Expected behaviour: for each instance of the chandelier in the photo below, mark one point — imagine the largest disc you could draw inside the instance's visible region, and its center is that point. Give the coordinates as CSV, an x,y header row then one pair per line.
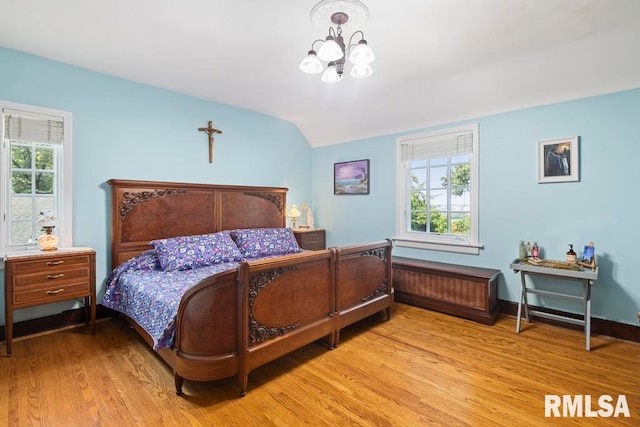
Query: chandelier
x,y
333,50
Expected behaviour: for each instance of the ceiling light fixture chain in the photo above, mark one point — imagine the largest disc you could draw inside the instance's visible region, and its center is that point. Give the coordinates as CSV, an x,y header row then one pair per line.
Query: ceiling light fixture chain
x,y
333,49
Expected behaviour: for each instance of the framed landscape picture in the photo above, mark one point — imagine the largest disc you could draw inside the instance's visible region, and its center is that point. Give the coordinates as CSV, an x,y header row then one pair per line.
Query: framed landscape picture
x,y
588,253
351,177
558,160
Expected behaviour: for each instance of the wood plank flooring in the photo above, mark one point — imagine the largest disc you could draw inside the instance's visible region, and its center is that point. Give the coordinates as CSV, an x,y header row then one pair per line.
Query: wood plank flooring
x,y
419,368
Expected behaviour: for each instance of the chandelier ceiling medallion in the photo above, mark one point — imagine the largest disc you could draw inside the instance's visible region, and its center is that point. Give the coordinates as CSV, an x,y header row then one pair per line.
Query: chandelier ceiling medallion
x,y
333,50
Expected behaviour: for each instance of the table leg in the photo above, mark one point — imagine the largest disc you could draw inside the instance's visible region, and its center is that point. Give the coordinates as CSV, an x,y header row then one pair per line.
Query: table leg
x,y
587,313
526,300
93,313
523,296
8,329
87,310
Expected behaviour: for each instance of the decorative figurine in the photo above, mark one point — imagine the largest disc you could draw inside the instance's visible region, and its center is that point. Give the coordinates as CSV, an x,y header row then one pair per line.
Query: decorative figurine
x,y
310,218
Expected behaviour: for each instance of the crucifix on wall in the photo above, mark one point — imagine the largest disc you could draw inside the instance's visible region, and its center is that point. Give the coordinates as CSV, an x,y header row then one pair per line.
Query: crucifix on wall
x,y
210,131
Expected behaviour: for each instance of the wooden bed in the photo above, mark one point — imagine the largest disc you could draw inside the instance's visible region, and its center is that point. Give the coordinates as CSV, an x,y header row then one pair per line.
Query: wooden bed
x,y
232,322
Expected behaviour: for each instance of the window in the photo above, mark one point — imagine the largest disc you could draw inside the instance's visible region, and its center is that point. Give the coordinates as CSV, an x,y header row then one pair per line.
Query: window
x,y
437,202
35,174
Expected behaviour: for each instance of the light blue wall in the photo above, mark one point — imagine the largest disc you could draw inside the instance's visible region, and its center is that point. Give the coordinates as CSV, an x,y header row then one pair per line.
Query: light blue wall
x,y
601,207
127,130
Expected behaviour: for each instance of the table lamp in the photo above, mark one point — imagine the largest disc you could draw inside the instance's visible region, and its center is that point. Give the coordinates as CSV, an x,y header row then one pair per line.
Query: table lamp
x,y
294,214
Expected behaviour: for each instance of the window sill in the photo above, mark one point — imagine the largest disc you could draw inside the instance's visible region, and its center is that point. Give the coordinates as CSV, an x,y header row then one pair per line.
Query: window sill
x,y
468,249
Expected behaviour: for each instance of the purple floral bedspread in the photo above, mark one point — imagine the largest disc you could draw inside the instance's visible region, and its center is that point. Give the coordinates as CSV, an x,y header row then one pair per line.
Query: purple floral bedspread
x,y
150,296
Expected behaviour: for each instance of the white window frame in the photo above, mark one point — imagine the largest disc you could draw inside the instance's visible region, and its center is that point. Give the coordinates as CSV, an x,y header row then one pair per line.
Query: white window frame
x,y
439,242
64,184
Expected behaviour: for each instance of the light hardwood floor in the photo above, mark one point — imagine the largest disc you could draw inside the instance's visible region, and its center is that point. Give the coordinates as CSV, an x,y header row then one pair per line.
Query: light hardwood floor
x,y
419,368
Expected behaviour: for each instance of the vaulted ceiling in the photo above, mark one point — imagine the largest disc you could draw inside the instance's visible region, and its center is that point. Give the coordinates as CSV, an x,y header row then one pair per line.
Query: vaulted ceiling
x,y
437,61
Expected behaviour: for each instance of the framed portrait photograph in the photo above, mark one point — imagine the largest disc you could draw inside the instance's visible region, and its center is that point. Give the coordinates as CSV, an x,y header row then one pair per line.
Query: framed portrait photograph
x,y
558,160
351,177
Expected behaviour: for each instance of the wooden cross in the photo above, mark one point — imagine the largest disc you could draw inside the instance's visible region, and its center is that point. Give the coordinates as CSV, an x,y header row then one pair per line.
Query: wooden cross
x,y
211,131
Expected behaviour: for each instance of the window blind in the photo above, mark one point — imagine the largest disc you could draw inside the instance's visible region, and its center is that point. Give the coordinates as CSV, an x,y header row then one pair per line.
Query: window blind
x,y
32,128
438,146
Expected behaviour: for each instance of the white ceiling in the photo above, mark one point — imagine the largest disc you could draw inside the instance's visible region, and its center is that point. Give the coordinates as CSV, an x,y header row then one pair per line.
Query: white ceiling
x,y
437,61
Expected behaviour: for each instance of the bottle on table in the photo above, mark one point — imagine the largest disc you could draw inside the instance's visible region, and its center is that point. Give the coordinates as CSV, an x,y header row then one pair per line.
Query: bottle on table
x,y
522,252
572,257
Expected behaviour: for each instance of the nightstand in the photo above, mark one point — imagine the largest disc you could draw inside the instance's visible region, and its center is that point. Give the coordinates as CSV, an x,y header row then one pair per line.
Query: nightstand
x,y
310,238
41,277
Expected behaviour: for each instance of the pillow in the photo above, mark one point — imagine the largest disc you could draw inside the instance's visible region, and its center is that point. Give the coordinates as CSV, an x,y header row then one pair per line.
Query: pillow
x,y
260,242
187,252
147,260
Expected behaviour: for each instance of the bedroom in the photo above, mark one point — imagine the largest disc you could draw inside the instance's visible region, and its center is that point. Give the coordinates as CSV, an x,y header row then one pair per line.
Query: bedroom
x,y
127,130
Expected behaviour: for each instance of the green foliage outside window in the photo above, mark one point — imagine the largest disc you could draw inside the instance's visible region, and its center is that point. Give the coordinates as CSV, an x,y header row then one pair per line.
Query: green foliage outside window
x,y
461,226
23,168
460,180
460,183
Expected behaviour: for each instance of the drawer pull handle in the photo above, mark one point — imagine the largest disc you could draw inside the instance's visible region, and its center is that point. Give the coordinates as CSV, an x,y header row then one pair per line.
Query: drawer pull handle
x,y
55,276
55,262
55,292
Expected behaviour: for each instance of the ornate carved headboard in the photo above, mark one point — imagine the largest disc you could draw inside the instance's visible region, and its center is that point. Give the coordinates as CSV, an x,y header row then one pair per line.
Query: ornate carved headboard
x,y
142,211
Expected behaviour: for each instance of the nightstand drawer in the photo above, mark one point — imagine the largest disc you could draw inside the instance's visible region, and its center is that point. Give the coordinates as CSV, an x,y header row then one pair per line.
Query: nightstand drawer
x,y
53,292
315,239
50,264
311,239
46,279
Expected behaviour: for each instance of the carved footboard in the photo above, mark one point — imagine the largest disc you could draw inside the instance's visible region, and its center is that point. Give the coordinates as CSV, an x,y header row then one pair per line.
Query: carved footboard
x,y
286,304
363,284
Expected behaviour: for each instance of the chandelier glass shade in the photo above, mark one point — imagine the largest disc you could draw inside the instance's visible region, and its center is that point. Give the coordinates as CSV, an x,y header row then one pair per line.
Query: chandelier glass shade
x,y
333,50
361,71
330,50
311,64
361,54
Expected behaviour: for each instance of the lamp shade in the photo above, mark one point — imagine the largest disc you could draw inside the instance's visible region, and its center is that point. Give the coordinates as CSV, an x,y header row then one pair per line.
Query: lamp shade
x,y
294,212
361,71
46,219
310,64
330,50
331,75
361,53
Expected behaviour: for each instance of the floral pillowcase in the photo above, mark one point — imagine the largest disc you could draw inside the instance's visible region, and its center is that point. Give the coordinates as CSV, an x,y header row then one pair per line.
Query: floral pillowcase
x,y
260,242
188,252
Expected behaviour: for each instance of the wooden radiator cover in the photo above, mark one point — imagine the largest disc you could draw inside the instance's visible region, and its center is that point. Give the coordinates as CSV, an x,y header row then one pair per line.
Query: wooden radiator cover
x,y
469,292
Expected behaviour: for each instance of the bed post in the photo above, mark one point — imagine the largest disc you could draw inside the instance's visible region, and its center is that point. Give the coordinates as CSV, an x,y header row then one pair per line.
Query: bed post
x,y
389,267
335,254
178,380
243,326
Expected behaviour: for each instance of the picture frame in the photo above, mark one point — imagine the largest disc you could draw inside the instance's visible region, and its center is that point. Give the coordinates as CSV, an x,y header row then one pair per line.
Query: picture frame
x,y
558,160
588,253
589,257
352,177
